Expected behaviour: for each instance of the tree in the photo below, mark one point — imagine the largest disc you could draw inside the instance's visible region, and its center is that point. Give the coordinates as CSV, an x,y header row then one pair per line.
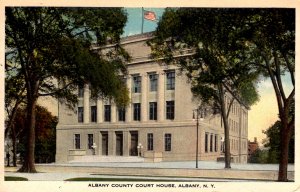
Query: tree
x,y
45,134
51,50
271,38
263,39
14,98
273,140
202,43
259,156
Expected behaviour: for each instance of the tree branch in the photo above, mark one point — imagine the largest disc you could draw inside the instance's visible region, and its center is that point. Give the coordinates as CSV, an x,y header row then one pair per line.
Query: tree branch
x,y
272,76
56,91
278,75
290,68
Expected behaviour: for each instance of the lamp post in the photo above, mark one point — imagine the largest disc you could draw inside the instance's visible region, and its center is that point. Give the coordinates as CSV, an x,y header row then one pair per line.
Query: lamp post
x,y
199,111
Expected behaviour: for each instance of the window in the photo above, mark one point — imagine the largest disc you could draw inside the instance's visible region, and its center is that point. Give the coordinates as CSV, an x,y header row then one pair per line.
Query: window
x,y
170,109
136,84
77,141
216,143
80,90
170,80
136,111
107,113
206,142
150,141
121,114
153,82
168,142
153,111
80,114
93,113
90,141
211,142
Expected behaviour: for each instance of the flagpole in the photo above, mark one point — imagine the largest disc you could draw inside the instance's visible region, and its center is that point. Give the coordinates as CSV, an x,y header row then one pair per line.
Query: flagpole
x,y
142,20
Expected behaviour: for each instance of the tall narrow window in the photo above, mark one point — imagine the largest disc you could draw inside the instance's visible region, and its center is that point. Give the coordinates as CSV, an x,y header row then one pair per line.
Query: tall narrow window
x,y
206,142
168,142
211,142
107,113
93,113
136,84
90,140
77,141
150,141
216,143
80,114
152,111
80,90
170,80
153,82
170,113
136,111
121,114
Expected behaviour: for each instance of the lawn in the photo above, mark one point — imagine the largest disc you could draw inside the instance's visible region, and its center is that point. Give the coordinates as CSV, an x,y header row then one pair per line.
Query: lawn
x,y
9,178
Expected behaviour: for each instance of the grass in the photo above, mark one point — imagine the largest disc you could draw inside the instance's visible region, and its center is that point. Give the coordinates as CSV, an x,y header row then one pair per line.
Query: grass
x,y
9,178
114,179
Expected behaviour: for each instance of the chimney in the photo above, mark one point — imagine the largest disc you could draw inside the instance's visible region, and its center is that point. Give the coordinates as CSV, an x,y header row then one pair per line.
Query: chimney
x,y
255,139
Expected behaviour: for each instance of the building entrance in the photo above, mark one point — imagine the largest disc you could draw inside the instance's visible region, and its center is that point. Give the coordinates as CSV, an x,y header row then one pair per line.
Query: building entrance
x,y
104,143
119,143
134,143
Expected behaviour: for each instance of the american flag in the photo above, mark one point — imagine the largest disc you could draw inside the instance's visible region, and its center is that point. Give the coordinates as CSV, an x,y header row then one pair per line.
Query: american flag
x,y
150,15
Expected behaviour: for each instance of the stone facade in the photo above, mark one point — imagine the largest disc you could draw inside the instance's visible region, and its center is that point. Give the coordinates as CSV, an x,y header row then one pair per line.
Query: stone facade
x,y
156,125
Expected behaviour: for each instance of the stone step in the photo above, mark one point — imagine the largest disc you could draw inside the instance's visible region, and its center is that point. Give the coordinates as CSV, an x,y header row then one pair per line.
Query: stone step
x,y
96,158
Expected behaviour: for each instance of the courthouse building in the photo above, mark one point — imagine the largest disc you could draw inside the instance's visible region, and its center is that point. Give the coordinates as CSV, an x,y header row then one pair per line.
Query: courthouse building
x,y
158,123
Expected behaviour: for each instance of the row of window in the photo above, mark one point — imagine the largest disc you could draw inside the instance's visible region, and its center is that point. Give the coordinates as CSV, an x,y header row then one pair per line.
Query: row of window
x,y
170,112
233,125
168,141
212,144
77,141
153,82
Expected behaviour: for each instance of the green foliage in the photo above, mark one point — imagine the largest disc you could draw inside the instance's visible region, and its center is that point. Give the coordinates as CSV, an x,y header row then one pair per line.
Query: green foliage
x,y
45,134
50,49
273,143
213,54
259,156
9,178
54,44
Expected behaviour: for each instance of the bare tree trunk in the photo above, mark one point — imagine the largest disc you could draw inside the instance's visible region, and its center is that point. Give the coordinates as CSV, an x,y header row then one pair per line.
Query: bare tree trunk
x,y
226,128
285,136
28,165
14,145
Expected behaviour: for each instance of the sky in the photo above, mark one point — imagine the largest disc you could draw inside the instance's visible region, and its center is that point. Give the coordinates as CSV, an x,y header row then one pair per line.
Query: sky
x,y
261,115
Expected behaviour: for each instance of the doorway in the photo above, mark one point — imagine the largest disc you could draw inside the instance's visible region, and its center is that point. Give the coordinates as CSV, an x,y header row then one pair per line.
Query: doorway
x,y
119,144
134,143
104,135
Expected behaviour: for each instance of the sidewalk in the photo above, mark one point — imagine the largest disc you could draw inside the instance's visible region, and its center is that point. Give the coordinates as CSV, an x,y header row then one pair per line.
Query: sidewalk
x,y
183,165
207,171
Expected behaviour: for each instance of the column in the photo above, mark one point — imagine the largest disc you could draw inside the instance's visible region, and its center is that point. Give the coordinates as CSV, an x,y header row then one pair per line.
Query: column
x,y
129,106
161,97
126,143
99,110
144,91
86,104
113,112
111,143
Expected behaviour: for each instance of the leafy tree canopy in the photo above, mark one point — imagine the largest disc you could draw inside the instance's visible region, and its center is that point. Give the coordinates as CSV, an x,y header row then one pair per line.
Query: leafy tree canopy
x,y
52,51
47,45
212,51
